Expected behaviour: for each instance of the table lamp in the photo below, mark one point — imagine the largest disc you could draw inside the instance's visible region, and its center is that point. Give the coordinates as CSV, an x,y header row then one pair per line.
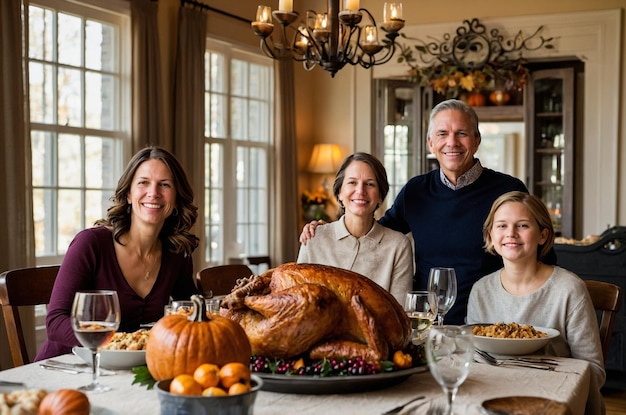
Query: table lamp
x,y
325,159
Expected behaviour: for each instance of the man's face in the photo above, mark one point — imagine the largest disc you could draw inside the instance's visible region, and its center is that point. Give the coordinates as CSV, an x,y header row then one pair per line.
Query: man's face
x,y
453,143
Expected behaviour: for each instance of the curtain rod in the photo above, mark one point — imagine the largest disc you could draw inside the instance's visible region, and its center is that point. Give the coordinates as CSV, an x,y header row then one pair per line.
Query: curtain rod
x,y
212,9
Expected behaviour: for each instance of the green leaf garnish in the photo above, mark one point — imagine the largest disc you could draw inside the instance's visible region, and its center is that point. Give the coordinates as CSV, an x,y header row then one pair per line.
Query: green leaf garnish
x,y
143,377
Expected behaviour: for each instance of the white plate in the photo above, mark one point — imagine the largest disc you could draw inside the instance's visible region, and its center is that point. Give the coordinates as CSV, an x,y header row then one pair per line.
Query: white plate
x,y
114,359
514,346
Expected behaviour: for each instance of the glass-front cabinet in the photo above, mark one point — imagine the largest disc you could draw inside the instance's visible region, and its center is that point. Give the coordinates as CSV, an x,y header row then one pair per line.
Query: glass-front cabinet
x,y
550,126
540,125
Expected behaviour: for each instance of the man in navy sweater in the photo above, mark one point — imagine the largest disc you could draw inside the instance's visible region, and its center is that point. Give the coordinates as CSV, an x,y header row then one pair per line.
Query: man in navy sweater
x,y
444,209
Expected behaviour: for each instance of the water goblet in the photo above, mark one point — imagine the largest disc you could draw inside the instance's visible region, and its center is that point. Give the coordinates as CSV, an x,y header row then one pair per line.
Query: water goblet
x,y
95,318
449,353
421,308
442,283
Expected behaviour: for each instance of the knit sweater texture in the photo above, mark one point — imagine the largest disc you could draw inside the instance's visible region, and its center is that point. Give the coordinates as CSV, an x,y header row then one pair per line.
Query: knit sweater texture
x,y
446,226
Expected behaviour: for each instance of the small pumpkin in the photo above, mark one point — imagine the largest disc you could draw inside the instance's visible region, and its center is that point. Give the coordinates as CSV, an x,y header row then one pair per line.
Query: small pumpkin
x,y
476,99
65,402
179,344
499,97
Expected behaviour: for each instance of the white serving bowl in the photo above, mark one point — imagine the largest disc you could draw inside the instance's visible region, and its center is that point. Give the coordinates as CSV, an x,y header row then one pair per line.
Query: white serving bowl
x,y
513,346
114,359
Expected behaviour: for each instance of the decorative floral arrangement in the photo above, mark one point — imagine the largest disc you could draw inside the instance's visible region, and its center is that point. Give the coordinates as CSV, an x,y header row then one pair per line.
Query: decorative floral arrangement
x,y
314,198
314,205
474,59
451,80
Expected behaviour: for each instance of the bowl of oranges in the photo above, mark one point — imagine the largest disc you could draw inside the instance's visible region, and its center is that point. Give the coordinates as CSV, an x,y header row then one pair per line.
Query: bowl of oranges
x,y
210,390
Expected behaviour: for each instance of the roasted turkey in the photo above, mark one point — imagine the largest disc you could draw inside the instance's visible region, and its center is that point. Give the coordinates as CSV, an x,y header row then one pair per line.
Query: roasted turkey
x,y
324,311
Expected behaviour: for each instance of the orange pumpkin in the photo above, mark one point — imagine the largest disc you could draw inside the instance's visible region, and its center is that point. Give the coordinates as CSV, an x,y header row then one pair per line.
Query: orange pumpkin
x,y
179,344
65,402
476,99
499,97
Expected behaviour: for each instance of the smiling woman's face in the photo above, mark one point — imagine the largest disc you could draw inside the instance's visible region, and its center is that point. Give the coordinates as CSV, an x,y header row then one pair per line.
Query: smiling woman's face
x,y
453,142
152,193
360,193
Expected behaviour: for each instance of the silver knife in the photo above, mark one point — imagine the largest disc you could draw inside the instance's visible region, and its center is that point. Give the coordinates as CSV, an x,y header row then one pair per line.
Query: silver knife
x,y
60,369
73,368
9,383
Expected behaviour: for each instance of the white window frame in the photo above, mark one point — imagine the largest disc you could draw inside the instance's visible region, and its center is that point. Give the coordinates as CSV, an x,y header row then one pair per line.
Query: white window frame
x,y
114,12
232,249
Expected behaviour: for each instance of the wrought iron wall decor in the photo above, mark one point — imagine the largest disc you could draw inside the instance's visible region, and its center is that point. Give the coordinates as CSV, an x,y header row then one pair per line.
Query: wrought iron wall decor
x,y
474,59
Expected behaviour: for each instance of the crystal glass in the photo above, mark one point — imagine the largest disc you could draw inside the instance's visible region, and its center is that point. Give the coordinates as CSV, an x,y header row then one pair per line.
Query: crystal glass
x,y
421,307
183,307
95,318
442,283
449,352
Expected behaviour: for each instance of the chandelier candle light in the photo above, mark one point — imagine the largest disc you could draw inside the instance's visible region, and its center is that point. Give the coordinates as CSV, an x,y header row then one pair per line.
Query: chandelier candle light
x,y
332,39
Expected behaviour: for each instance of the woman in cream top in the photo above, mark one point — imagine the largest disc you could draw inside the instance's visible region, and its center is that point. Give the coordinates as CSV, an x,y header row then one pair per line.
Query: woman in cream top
x,y
356,242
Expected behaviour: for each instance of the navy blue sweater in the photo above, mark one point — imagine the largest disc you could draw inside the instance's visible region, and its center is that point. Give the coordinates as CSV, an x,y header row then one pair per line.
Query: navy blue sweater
x,y
447,228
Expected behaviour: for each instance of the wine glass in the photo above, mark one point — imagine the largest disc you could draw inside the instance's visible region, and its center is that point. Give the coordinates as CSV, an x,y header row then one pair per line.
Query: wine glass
x,y
449,352
421,307
442,283
95,318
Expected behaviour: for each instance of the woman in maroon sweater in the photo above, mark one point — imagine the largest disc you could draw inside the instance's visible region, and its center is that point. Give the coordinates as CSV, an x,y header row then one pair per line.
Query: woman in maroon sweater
x,y
142,250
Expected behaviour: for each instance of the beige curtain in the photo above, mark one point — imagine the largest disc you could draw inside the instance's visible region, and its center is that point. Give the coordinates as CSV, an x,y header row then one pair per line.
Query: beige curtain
x,y
285,209
148,113
17,246
189,100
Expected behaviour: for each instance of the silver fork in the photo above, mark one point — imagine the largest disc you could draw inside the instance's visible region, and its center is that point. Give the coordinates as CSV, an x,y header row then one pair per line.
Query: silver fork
x,y
544,365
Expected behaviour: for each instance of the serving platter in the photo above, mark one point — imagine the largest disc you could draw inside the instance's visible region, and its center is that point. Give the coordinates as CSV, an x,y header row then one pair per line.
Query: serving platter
x,y
314,385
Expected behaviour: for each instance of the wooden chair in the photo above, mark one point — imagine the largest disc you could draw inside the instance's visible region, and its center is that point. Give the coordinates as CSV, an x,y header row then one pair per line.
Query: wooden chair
x,y
606,298
23,287
259,264
221,279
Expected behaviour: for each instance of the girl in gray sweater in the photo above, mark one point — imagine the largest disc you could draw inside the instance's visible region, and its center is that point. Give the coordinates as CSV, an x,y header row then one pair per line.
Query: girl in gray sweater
x,y
527,291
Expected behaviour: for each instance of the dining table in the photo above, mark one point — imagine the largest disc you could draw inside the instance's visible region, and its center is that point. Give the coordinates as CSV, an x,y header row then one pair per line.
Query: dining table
x,y
567,383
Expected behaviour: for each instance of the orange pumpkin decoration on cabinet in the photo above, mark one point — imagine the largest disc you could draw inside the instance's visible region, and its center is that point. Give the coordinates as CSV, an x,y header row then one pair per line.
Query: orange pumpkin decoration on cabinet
x,y
179,344
499,97
476,99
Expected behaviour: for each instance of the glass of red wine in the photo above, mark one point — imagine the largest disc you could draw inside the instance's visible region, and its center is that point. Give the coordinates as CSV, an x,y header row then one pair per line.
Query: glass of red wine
x,y
95,318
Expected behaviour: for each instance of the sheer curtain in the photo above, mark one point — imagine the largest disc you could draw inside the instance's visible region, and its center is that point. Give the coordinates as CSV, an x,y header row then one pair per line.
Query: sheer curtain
x,y
148,113
189,97
17,245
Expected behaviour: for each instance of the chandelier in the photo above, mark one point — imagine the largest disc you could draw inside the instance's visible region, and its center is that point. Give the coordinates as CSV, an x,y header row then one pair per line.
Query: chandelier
x,y
332,39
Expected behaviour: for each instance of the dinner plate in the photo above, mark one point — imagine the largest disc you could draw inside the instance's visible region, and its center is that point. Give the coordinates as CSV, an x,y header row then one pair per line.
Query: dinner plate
x,y
313,385
114,359
513,346
525,405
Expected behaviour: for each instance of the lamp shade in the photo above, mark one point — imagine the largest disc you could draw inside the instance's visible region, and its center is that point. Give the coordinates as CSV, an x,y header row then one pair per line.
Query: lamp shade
x,y
326,158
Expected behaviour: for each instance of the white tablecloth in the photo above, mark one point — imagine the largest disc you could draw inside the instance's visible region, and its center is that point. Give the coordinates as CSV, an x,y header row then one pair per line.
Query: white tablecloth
x,y
569,383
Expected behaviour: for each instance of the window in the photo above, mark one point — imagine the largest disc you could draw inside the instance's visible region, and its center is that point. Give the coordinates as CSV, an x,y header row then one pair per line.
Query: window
x,y
238,130
79,96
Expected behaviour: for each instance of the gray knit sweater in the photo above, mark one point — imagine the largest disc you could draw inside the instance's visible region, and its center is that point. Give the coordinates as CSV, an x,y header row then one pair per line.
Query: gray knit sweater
x,y
562,303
